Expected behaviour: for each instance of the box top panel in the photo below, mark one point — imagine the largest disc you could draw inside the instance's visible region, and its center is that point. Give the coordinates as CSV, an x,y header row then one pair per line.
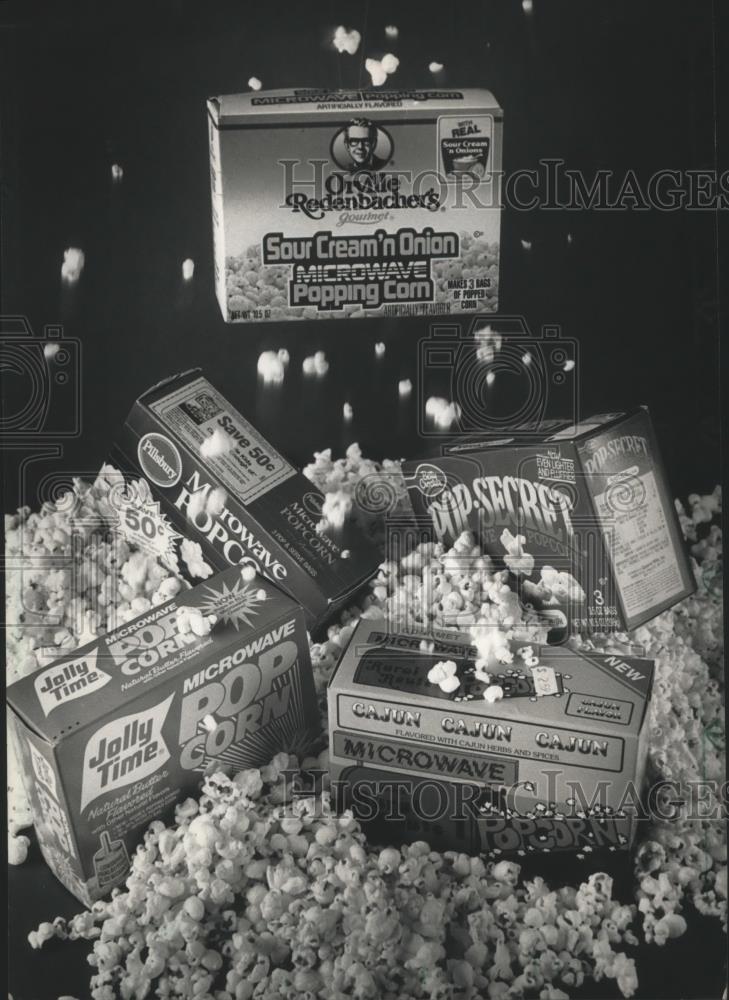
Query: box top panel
x,y
255,107
601,693
555,430
138,656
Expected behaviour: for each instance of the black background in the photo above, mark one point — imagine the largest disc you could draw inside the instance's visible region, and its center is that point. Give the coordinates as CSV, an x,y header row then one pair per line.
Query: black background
x,y
617,85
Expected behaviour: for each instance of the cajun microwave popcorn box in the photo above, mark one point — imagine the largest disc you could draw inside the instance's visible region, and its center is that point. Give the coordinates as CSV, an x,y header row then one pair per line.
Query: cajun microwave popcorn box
x,y
581,516
354,203
555,763
222,485
114,734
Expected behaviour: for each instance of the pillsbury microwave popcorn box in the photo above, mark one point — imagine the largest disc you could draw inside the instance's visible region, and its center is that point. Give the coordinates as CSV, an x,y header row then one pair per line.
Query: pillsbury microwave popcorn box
x,y
355,203
219,483
114,734
556,762
581,516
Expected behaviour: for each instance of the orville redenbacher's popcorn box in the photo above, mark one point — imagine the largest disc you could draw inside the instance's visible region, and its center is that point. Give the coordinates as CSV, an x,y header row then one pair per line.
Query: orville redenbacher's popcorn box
x,y
241,500
556,764
581,516
114,734
355,203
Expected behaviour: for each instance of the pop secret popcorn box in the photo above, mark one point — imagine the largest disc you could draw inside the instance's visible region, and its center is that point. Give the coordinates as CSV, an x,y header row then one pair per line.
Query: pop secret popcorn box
x,y
581,516
556,764
241,501
113,735
355,203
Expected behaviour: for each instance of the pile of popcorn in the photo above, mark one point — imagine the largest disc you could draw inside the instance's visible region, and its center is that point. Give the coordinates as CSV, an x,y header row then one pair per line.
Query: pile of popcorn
x,y
260,890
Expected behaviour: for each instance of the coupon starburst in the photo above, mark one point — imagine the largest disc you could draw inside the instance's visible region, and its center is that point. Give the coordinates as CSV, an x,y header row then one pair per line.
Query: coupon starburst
x,y
236,605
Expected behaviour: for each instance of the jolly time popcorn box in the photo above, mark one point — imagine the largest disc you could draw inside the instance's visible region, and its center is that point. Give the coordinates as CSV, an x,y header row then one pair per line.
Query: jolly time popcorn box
x,y
216,481
113,735
580,515
352,204
555,762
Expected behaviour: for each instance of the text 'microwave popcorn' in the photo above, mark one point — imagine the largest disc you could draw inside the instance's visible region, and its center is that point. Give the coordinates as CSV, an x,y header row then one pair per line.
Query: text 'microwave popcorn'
x,y
223,486
113,735
580,515
352,204
555,762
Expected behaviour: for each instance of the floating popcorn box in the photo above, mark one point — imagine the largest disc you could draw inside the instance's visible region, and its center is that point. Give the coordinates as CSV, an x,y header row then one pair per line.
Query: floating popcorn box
x,y
218,482
580,515
556,764
113,735
349,204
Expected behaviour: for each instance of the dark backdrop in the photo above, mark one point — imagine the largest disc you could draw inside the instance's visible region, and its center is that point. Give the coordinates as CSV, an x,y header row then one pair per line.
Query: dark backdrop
x,y
611,84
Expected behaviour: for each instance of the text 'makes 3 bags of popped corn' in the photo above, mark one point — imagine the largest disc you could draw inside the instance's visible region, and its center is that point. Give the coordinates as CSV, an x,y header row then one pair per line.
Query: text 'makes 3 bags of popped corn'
x,y
580,515
114,734
355,203
243,503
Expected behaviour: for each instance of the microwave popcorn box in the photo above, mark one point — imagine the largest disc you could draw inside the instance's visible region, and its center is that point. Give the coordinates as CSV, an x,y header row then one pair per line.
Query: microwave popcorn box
x,y
581,516
355,203
557,764
271,510
112,736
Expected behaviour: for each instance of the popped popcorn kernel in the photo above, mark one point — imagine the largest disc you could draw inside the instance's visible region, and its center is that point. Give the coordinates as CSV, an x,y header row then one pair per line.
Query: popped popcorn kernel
x,y
254,83
216,444
73,264
346,41
188,269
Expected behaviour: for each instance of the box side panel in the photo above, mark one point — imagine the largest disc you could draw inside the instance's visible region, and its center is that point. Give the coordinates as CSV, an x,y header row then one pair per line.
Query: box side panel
x,y
628,488
52,819
216,199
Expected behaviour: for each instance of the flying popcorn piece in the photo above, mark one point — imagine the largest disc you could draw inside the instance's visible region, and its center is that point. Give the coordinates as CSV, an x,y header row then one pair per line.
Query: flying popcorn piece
x,y
248,574
378,74
493,693
271,367
117,173
216,444
517,560
346,41
404,387
489,342
188,268
526,244
193,558
73,264
317,365
490,378
261,594
379,349
51,349
435,67
527,6
284,356
568,365
254,83
347,411
442,413
526,358
209,723
570,238
392,31
389,63
443,674
215,503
